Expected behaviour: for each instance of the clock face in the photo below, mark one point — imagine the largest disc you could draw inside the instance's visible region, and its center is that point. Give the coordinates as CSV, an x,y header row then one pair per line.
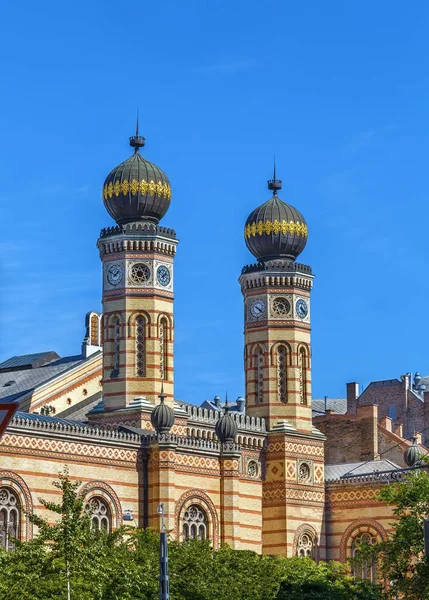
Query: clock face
x,y
301,308
257,308
115,274
163,275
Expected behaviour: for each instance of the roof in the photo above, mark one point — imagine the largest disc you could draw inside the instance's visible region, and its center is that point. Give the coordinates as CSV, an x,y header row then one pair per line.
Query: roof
x,y
335,472
46,419
16,383
233,406
338,405
28,361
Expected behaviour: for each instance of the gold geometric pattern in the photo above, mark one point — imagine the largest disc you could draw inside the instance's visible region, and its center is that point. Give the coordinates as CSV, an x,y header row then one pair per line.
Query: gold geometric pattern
x,y
276,227
162,190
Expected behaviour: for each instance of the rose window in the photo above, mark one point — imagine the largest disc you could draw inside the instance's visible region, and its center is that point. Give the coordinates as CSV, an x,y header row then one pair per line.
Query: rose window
x,y
304,472
281,307
100,514
10,514
194,523
252,468
306,545
139,273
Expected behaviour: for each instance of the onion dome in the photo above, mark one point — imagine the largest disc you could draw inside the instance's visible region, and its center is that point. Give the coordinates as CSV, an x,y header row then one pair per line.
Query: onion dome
x,y
136,190
162,417
275,229
412,454
226,427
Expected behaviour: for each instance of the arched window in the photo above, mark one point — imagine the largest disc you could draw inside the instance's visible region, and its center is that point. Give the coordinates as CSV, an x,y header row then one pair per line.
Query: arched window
x,y
364,568
259,382
302,363
94,330
163,349
194,523
9,518
306,545
282,373
99,511
116,346
140,347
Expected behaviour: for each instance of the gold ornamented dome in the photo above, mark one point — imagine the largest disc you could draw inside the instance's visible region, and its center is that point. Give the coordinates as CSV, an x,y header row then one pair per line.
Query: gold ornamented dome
x,y
275,229
136,190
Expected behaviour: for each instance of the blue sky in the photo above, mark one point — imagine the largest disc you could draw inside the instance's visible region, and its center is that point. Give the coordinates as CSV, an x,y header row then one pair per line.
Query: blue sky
x,y
338,90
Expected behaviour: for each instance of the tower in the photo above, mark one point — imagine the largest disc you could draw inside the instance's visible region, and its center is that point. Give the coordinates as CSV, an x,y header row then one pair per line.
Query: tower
x,y
137,256
276,294
277,359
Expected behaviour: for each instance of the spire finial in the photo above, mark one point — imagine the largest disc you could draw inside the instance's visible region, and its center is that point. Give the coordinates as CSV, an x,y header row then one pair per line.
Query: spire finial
x,y
162,395
137,141
226,402
274,184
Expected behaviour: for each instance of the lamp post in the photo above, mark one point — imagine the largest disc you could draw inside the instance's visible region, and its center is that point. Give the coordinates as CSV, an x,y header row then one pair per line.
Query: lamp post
x,y
164,588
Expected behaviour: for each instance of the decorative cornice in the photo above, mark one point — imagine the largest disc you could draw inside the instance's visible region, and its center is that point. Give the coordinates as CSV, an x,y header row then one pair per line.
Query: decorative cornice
x,y
277,266
58,429
204,415
139,228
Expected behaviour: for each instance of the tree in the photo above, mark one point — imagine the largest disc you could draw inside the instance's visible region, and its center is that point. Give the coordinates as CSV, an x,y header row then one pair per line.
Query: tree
x,y
303,579
70,560
401,560
76,552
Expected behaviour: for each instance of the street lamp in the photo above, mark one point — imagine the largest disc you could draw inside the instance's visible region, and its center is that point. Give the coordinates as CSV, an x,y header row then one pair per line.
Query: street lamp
x,y
128,515
164,588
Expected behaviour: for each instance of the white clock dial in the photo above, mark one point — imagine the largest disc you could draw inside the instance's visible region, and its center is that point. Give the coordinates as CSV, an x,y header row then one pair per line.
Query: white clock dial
x,y
257,308
115,274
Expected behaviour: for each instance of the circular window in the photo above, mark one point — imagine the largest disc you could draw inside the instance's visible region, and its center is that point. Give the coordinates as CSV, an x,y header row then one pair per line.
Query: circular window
x,y
304,472
139,273
281,307
252,468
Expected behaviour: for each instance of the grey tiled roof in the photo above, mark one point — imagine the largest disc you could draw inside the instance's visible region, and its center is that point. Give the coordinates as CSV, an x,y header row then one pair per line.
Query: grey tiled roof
x,y
26,380
338,405
28,360
333,472
45,419
233,407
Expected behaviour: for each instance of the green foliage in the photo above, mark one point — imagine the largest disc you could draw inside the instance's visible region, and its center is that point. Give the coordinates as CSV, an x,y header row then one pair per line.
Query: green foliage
x,y
401,557
70,560
303,579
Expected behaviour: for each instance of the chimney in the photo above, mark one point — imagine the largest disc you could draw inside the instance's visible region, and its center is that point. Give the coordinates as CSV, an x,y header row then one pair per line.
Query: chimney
x,y
352,397
399,430
216,401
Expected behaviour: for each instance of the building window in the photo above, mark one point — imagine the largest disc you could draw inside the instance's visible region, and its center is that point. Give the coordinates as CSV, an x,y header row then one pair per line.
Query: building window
x,y
163,350
94,330
99,512
392,412
140,347
259,383
306,545
116,346
302,375
194,523
9,518
364,568
282,374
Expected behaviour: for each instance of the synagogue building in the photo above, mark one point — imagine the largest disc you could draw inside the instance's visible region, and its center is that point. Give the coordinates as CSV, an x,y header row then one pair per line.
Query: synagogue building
x,y
274,472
